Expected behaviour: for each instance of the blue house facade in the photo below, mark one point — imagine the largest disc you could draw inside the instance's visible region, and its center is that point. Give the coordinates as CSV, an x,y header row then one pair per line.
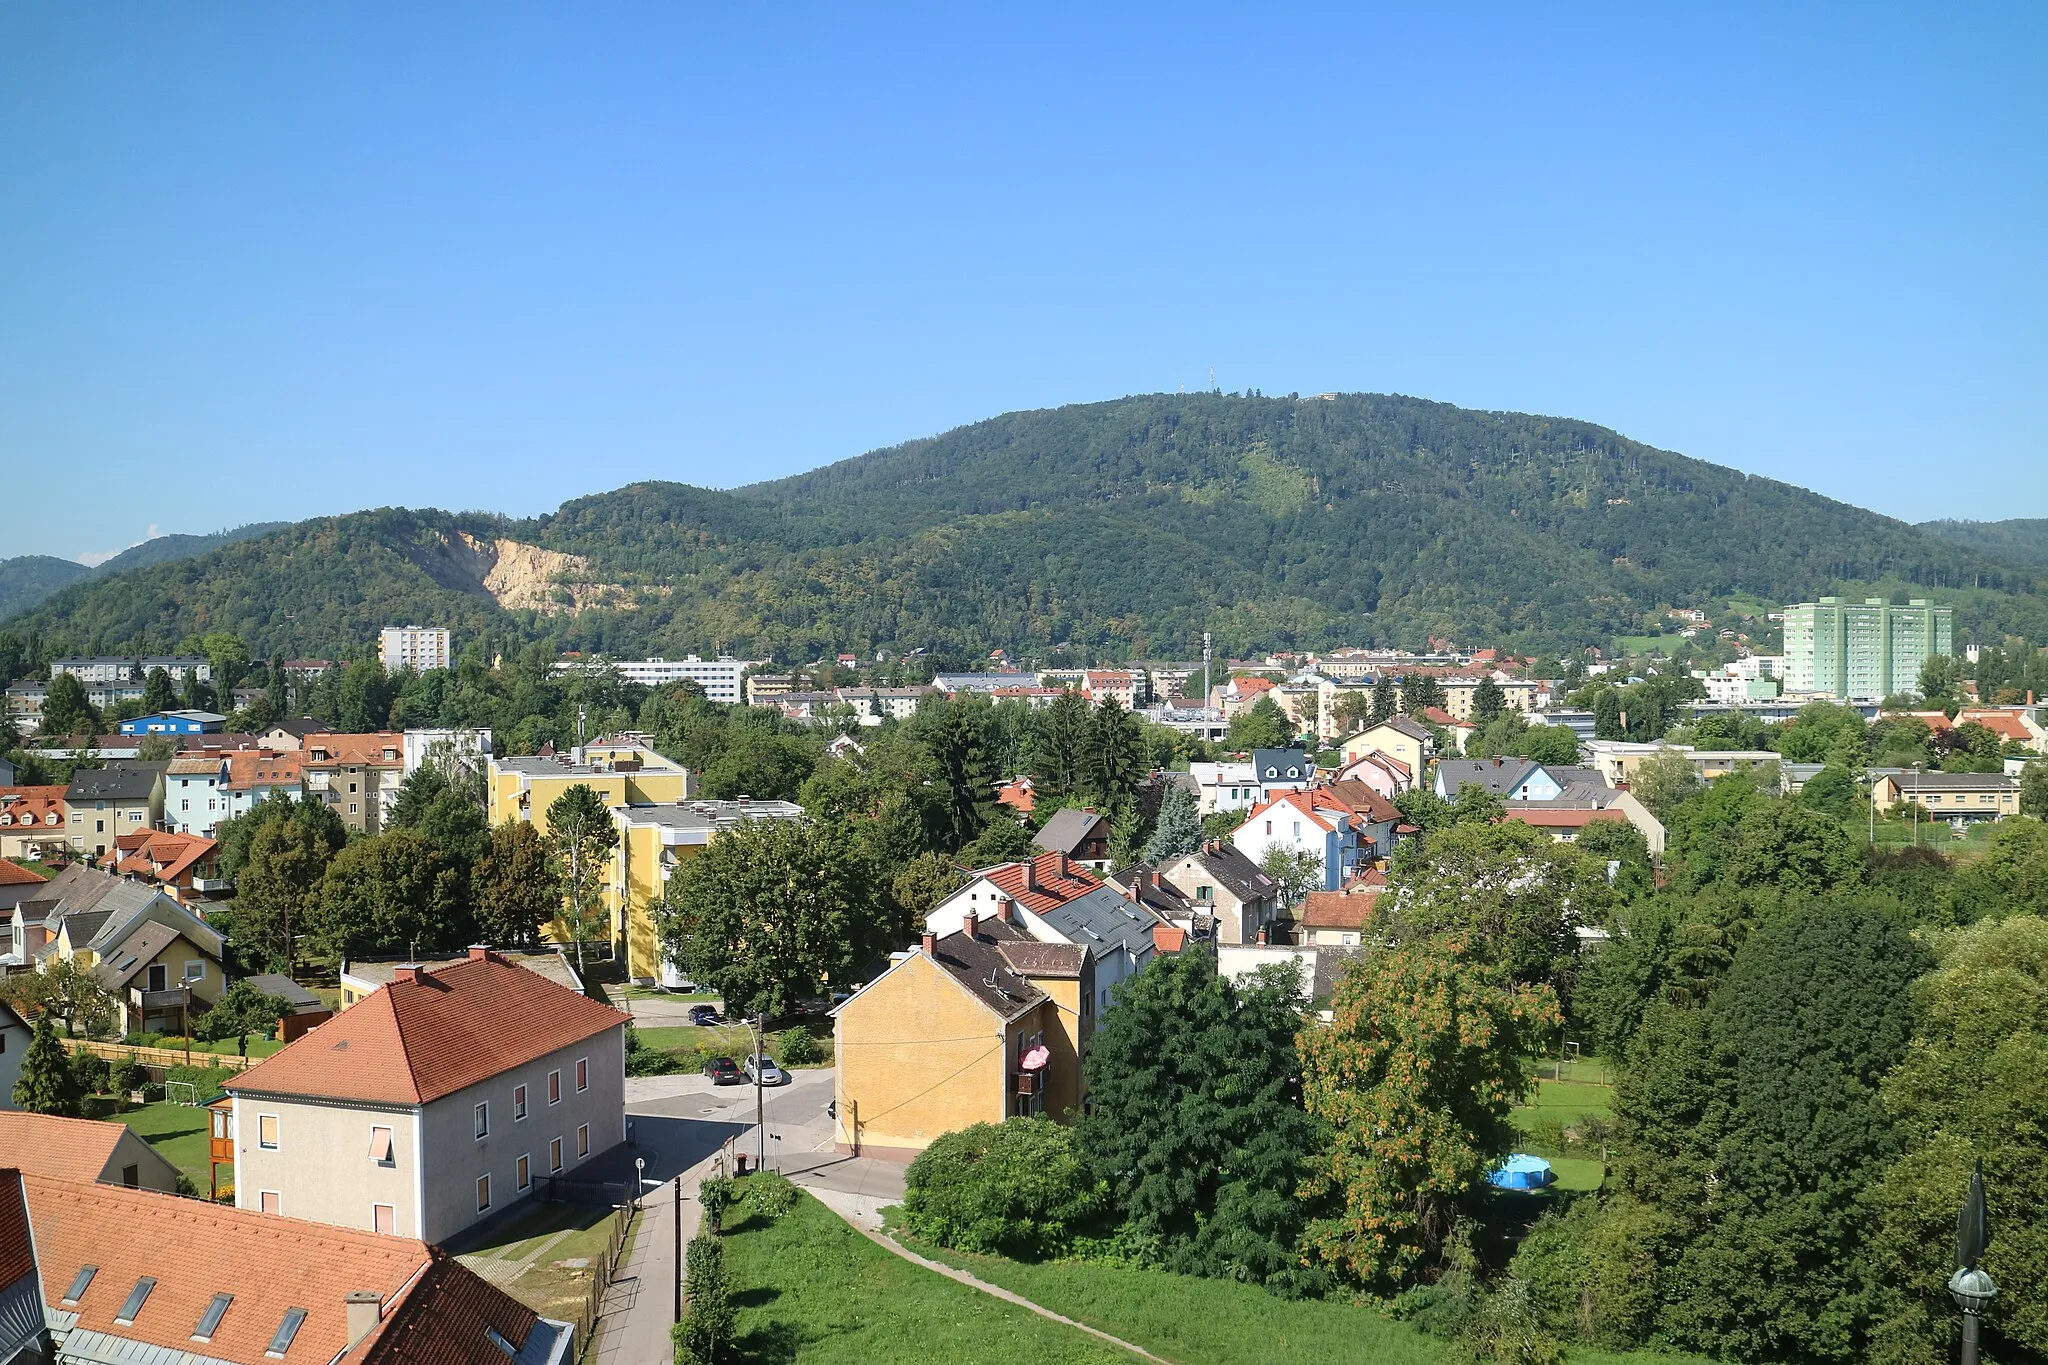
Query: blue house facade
x,y
175,723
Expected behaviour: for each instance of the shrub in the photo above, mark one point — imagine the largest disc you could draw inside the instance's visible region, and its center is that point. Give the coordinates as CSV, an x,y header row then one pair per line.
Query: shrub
x,y
770,1194
716,1195
129,1075
800,1047
706,1335
1591,1271
207,1080
1016,1188
1507,1328
94,1072
653,1061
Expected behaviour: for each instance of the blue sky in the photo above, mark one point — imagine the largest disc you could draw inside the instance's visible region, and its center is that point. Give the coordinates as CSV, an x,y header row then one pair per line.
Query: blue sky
x,y
265,261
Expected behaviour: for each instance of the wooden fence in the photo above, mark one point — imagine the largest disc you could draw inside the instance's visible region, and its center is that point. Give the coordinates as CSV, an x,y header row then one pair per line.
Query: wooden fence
x,y
159,1057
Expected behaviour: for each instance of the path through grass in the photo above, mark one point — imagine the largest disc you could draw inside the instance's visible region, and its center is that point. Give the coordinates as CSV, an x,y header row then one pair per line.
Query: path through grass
x,y
812,1291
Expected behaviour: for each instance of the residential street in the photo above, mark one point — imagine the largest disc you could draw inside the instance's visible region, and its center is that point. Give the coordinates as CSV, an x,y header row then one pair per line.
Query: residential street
x,y
679,1124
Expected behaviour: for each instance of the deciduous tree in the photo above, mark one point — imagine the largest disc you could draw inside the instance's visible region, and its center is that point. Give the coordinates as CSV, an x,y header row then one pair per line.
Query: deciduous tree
x,y
1412,1081
581,835
242,1010
517,885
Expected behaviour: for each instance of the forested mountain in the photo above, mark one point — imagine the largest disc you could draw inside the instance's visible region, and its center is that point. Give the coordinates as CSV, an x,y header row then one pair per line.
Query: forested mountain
x,y
28,579
1120,527
2019,541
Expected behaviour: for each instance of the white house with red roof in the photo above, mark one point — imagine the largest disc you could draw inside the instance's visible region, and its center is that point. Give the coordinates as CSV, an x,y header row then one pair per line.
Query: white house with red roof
x,y
1038,884
438,1101
1309,822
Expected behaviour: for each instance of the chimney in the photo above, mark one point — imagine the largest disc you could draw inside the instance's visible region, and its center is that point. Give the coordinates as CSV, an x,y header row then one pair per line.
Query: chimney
x,y
364,1311
480,952
972,924
931,944
1031,874
1006,910
405,971
1262,937
1062,864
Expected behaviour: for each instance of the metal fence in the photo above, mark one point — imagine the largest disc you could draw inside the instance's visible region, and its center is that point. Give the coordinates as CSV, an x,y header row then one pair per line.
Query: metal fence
x,y
602,1273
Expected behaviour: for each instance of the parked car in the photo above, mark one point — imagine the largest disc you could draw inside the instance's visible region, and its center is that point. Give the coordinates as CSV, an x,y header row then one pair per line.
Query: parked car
x,y
771,1074
703,1016
722,1071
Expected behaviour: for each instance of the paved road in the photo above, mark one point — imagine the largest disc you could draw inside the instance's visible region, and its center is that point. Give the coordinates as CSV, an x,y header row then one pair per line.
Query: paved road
x,y
680,1124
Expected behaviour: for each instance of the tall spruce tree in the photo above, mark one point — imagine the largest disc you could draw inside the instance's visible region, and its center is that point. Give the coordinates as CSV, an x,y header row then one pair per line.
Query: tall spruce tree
x,y
47,1084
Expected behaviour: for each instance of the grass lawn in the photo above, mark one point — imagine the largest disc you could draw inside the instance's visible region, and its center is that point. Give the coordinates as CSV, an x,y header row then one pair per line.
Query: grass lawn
x,y
1217,1322
258,1047
536,1254
812,1291
732,1039
179,1132
1566,1101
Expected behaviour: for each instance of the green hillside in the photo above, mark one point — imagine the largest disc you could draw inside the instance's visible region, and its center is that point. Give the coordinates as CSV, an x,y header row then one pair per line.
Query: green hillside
x,y
29,579
1129,525
2019,541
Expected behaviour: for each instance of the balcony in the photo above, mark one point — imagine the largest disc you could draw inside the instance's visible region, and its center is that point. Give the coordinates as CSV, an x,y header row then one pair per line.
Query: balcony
x,y
212,884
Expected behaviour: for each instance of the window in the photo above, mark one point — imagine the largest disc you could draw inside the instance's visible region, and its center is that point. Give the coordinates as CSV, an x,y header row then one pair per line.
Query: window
x,y
266,1132
499,1342
351,808
583,1073
1205,893
483,1120
383,1218
195,970
79,1284
131,1176
483,1193
132,1305
522,1171
268,1201
554,1087
286,1330
1269,827
380,1146
184,805
582,1141
210,1319
159,976
518,1103
555,1155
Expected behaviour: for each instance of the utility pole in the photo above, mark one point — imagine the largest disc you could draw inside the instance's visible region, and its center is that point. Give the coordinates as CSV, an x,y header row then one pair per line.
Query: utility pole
x,y
760,1121
678,1215
1206,682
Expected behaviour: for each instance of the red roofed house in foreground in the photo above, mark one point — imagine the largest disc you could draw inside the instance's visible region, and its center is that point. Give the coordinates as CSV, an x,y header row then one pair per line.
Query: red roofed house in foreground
x,y
136,1275
438,1100
1040,884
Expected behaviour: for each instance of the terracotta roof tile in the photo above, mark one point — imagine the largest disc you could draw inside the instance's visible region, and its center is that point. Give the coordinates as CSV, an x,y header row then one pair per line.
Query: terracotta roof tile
x,y
17,1254
1545,816
1058,881
195,1250
14,874
32,805
1336,909
1361,799
446,1319
368,750
415,1041
1169,938
64,1149
248,768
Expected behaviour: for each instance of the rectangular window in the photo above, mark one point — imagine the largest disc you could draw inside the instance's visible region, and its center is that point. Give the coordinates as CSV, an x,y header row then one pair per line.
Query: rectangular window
x,y
384,1219
139,1295
380,1145
483,1120
286,1330
266,1132
210,1319
582,1141
522,1171
131,1176
518,1103
554,1087
483,1193
268,1201
195,971
555,1155
582,1073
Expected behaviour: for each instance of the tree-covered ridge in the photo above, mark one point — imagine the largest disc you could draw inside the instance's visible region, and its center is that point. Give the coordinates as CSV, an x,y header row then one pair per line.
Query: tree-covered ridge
x,y
2022,540
27,579
30,579
1119,528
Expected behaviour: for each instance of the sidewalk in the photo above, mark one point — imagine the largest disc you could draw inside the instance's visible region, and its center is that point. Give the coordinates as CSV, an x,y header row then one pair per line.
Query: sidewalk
x,y
639,1308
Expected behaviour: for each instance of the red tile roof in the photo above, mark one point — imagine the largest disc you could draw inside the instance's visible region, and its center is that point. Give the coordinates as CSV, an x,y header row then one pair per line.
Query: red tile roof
x,y
1336,909
445,1320
2004,724
17,1254
63,1149
1246,686
414,1041
1362,800
1436,715
32,805
1169,938
1057,881
366,750
14,874
157,855
195,1250
1530,813
250,768
1315,803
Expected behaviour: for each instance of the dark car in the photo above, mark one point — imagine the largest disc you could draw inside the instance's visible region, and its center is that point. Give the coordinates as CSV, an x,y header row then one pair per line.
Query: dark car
x,y
723,1071
703,1016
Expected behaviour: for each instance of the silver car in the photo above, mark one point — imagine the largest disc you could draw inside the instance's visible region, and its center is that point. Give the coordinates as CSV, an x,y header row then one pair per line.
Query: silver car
x,y
771,1074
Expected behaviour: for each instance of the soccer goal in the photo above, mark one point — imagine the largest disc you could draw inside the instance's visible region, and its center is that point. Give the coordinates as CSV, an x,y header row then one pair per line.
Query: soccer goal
x,y
181,1092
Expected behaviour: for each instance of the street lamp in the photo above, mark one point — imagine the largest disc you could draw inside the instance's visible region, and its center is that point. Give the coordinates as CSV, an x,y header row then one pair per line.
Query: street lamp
x,y
1970,1287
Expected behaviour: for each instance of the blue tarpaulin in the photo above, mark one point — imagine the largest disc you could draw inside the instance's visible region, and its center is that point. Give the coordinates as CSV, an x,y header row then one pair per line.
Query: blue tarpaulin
x,y
1523,1172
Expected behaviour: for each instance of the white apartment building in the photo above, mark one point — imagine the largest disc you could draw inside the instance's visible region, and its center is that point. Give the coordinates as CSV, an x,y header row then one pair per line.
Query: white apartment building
x,y
418,648
113,669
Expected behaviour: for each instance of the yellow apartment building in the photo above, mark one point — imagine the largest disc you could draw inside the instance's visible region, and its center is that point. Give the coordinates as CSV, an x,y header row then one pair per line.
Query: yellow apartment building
x,y
970,1027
